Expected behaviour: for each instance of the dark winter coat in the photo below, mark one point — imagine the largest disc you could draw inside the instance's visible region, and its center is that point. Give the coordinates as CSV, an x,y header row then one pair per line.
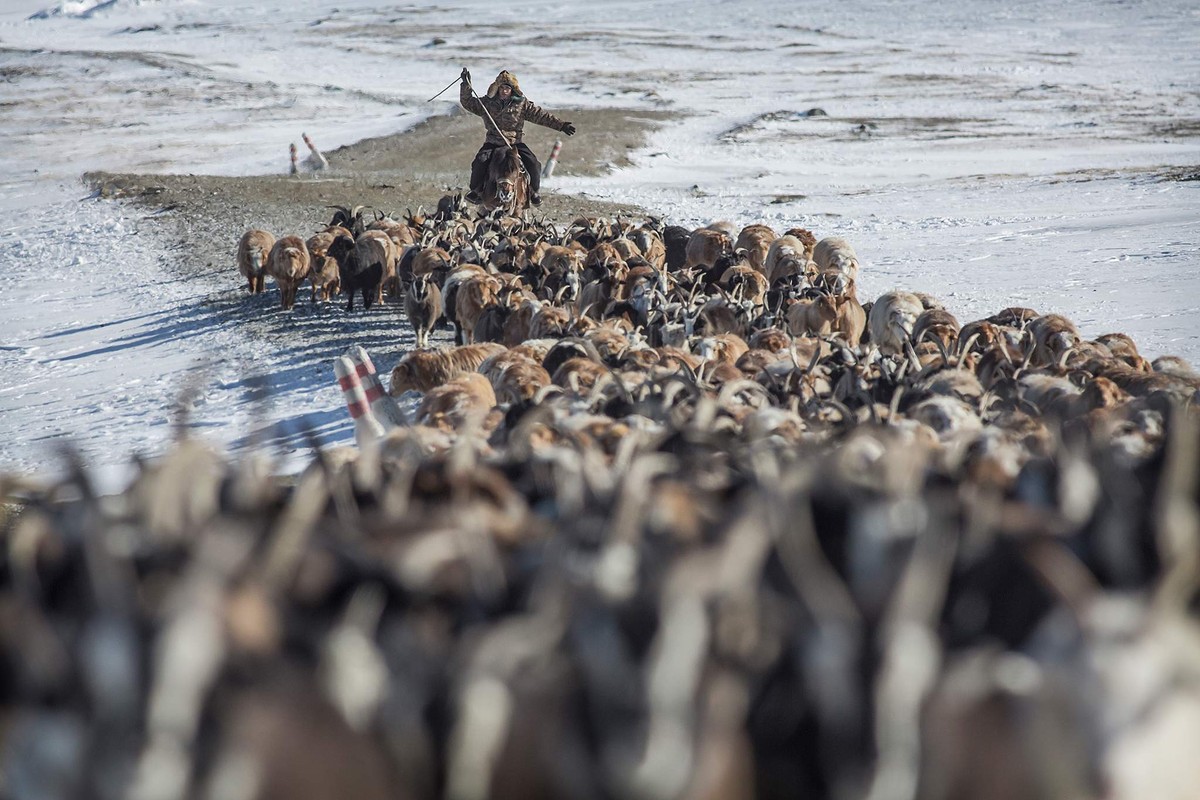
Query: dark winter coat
x,y
510,115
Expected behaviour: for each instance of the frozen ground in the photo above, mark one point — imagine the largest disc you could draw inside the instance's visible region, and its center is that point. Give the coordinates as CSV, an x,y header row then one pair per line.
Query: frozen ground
x,y
1043,154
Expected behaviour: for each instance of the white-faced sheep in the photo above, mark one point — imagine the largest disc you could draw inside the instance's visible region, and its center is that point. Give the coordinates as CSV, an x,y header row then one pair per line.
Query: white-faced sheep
x,y
288,264
785,256
835,258
252,253
891,321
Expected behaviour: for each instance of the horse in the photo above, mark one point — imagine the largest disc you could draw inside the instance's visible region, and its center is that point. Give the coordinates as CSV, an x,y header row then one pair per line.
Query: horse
x,y
507,183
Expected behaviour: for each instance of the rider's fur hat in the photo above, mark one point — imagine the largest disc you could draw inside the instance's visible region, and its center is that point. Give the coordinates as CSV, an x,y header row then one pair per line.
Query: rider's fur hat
x,y
505,77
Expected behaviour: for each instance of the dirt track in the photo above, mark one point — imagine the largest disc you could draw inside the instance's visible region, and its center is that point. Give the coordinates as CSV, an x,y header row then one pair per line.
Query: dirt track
x,y
205,215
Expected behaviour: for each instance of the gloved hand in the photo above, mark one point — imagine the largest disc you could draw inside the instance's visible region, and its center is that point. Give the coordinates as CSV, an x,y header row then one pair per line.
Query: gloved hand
x,y
465,76
569,129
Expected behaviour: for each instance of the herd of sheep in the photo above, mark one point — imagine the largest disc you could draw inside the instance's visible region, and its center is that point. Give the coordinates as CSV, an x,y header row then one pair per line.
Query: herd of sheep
x,y
678,515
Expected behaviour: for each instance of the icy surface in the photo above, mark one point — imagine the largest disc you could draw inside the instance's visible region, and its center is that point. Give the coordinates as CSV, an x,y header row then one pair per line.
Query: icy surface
x,y
1039,153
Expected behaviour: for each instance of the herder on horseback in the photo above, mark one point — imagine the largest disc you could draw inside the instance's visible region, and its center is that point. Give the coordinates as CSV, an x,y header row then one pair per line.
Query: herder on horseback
x,y
504,111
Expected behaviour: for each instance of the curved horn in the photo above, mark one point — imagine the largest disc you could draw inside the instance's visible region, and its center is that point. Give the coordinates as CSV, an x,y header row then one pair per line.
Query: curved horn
x,y
894,405
963,349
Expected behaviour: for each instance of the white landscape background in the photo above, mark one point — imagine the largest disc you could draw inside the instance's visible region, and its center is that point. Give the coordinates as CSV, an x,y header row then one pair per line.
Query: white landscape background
x,y
1041,153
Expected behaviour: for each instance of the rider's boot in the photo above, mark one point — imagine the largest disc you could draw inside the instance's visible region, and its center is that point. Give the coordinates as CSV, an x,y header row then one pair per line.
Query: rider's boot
x,y
535,198
478,174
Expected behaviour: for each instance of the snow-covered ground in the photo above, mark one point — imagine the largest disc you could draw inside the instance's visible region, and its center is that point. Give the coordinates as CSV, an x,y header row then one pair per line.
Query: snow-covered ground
x,y
1036,153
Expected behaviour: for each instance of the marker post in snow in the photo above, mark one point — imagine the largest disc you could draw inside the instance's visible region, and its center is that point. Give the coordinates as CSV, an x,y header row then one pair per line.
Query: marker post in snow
x,y
315,161
292,150
548,169
367,430
385,410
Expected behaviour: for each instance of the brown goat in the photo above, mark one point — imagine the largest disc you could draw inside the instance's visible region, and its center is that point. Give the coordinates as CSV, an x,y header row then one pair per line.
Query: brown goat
x,y
318,243
813,317
422,370
936,325
579,375
519,323
770,339
728,347
1053,335
254,248
851,319
516,378
756,240
651,246
558,260
288,264
465,398
603,255
430,260
745,283
549,323
1122,346
706,246
325,278
474,295
626,248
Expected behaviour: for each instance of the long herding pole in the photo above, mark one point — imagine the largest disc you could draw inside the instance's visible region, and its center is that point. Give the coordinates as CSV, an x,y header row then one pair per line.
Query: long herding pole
x,y
488,114
443,91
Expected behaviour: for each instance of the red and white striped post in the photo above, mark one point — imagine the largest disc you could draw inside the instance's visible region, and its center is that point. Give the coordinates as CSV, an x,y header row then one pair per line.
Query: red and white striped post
x,y
367,429
316,161
385,410
548,170
292,149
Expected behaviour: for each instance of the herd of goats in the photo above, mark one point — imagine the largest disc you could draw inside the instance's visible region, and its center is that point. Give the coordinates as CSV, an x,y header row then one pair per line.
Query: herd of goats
x,y
677,516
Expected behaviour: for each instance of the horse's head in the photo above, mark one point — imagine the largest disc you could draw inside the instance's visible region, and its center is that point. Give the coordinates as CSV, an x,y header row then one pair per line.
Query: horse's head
x,y
506,169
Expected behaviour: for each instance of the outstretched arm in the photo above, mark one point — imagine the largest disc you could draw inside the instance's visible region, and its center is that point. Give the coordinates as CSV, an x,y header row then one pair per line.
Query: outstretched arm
x,y
466,97
539,116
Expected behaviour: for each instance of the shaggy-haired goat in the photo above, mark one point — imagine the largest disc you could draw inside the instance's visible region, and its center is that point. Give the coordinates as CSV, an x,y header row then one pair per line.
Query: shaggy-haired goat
x,y
253,250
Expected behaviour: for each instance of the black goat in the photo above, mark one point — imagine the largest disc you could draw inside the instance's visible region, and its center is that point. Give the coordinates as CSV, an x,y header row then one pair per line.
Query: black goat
x,y
675,238
356,273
